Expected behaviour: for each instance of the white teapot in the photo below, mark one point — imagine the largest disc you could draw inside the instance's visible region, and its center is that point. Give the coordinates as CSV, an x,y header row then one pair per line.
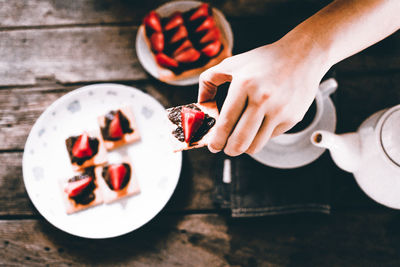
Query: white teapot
x,y
372,154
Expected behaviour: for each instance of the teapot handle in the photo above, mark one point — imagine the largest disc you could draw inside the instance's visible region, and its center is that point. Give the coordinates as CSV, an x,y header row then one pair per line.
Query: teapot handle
x,y
328,87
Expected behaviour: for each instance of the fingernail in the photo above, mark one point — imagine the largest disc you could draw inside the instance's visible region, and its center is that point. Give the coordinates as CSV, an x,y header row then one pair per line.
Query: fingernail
x,y
213,150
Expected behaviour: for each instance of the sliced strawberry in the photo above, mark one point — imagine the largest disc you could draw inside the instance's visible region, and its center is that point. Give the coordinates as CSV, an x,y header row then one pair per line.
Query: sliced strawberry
x,y
211,35
117,175
212,49
152,20
81,148
75,188
191,122
202,11
157,41
175,21
185,45
189,55
207,24
180,34
115,129
165,61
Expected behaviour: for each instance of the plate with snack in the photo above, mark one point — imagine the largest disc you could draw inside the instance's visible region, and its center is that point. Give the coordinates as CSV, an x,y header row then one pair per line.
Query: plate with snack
x,y
98,162
181,39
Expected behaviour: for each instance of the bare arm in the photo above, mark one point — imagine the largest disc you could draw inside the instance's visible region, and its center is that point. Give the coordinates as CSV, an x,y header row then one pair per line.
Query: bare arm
x,y
272,86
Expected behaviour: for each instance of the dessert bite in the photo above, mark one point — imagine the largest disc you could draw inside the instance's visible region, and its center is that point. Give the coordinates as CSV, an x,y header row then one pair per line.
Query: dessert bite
x,y
117,180
86,150
81,191
192,124
186,43
118,128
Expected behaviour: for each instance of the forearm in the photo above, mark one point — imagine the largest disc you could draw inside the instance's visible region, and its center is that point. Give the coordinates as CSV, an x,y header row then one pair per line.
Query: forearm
x,y
346,27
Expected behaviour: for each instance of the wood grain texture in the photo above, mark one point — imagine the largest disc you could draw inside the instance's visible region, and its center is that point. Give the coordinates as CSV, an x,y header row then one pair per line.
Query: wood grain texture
x,y
346,239
69,55
28,13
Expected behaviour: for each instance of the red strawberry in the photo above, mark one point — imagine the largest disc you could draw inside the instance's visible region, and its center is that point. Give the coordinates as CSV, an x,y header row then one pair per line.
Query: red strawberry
x,y
191,122
152,20
211,35
115,129
212,49
186,44
157,41
202,11
188,56
165,61
175,21
81,148
75,188
207,24
180,34
117,175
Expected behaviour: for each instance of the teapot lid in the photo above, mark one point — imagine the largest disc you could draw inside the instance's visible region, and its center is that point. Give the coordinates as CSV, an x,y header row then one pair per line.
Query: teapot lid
x,y
390,136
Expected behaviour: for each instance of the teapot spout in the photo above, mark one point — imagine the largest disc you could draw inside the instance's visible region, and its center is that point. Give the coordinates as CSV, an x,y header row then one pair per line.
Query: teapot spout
x,y
345,149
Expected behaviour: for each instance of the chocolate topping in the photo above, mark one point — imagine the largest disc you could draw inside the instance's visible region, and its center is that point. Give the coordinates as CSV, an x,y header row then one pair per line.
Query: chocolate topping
x,y
93,143
125,125
87,195
194,37
106,176
175,117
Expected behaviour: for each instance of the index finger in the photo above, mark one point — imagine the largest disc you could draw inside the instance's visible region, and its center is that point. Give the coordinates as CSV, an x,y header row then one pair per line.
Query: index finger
x,y
209,81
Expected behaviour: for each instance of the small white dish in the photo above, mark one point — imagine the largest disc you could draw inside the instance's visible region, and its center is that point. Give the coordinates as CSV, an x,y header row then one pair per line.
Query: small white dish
x,y
294,150
145,55
46,160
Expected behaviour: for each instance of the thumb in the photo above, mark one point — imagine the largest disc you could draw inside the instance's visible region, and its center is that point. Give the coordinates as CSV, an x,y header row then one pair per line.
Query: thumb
x,y
209,81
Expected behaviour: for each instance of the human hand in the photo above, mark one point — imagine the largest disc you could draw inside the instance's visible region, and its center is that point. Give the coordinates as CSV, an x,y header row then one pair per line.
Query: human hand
x,y
271,89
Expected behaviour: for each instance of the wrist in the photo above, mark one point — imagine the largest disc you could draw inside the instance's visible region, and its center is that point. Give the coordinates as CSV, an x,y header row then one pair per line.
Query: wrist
x,y
306,53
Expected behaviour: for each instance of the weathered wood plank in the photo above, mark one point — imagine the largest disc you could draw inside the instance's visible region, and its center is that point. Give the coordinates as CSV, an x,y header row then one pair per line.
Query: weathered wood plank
x,y
69,55
193,191
13,197
345,239
28,13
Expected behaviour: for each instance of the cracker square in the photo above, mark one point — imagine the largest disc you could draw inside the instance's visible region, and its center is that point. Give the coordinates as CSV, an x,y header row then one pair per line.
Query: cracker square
x,y
209,108
128,138
71,205
99,158
109,195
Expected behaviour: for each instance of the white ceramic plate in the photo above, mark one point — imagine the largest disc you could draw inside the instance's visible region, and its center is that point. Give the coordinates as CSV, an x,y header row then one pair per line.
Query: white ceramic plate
x,y
46,160
145,55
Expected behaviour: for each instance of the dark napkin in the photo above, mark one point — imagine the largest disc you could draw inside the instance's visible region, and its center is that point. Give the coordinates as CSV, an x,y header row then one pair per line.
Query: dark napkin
x,y
258,190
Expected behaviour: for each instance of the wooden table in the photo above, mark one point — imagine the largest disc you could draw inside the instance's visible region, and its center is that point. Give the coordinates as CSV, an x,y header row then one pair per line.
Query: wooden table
x,y
50,47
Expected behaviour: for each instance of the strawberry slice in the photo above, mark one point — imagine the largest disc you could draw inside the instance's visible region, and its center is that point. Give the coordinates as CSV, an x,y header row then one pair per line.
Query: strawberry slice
x,y
211,35
212,49
152,20
189,55
157,41
81,148
117,175
202,11
180,34
115,129
207,24
185,45
175,21
75,188
165,61
191,122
